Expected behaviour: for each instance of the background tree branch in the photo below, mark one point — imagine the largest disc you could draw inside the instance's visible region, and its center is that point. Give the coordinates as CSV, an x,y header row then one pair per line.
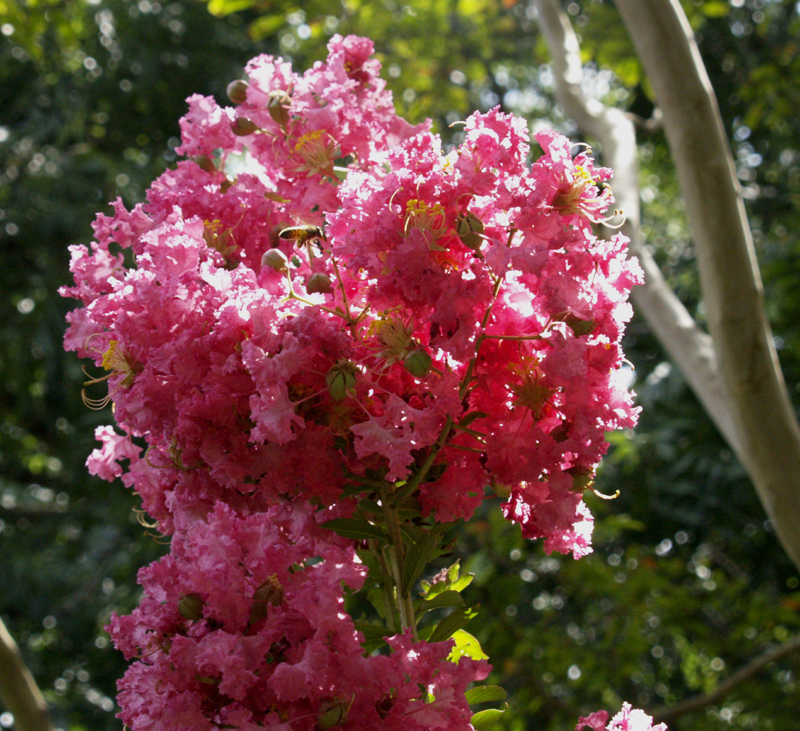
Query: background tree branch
x,y
688,345
734,372
667,713
18,690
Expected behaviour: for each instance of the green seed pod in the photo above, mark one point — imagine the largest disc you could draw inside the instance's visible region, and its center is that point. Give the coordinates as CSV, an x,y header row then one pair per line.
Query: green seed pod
x,y
470,230
561,432
268,593
330,714
319,283
581,478
341,380
205,163
191,606
243,126
499,489
278,107
276,259
237,91
578,326
418,363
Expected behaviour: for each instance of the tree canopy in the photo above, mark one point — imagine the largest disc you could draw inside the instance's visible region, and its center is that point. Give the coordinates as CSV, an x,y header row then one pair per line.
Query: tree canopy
x,y
688,584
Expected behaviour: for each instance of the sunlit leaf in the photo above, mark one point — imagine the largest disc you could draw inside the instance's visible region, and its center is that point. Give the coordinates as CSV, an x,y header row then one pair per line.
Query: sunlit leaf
x,y
467,646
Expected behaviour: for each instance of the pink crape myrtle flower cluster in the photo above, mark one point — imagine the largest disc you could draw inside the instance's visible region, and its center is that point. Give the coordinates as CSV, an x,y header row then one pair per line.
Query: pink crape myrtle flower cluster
x,y
237,628
628,719
316,300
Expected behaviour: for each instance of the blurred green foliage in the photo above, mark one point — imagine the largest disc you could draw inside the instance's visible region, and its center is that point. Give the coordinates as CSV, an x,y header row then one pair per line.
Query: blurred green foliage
x,y
687,583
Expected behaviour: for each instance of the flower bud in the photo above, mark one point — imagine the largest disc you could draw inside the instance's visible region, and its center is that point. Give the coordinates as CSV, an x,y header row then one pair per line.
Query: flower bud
x,y
470,230
319,283
191,606
330,714
270,592
582,477
418,363
205,163
341,379
500,489
579,326
278,106
237,91
243,126
561,432
276,259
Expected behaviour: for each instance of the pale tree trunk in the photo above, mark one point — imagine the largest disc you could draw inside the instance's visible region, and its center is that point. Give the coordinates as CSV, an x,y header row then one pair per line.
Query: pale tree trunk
x,y
19,693
734,369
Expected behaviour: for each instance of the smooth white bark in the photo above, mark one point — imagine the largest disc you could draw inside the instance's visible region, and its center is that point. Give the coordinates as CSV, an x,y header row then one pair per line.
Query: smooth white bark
x,y
734,371
688,346
18,690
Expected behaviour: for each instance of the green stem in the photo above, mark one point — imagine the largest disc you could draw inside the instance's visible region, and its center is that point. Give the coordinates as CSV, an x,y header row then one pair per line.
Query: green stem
x,y
389,597
512,337
397,564
409,488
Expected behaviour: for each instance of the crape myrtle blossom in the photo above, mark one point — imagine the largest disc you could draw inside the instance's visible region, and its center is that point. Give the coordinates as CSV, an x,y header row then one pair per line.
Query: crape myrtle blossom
x,y
628,719
319,300
237,627
481,270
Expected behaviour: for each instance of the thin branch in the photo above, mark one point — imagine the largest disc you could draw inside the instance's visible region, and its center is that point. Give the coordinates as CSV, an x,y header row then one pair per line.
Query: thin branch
x,y
18,690
668,713
688,346
767,437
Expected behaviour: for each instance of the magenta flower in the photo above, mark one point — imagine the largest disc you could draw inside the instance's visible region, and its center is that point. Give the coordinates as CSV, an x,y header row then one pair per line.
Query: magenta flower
x,y
326,319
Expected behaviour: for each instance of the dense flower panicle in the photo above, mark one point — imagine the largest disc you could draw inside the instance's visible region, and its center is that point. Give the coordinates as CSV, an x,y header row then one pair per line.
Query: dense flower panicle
x,y
244,624
321,298
447,289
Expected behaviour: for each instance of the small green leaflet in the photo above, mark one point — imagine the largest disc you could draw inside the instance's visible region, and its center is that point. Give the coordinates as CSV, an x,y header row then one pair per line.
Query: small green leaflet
x,y
451,624
468,646
355,529
485,693
418,556
373,636
483,720
445,599
453,582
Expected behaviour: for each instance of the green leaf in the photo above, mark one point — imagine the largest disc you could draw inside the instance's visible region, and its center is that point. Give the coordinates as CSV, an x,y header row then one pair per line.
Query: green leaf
x,y
408,513
369,559
445,599
451,624
417,558
463,582
453,582
265,25
220,8
485,693
412,534
353,488
370,506
373,636
715,9
469,418
484,719
371,631
355,529
453,572
467,646
376,598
